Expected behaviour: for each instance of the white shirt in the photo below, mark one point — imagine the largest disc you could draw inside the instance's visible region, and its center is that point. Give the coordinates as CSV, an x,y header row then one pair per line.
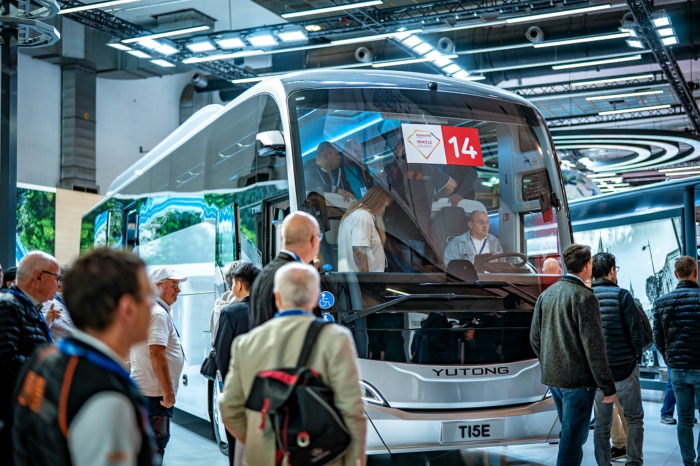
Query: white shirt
x,y
161,332
478,243
119,440
63,326
358,230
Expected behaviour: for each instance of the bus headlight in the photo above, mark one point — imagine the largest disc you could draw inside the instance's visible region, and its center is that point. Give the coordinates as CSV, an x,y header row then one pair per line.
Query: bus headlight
x,y
371,395
547,395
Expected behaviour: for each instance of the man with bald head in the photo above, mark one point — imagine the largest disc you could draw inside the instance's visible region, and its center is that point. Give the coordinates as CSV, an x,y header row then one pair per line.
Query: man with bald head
x,y
23,330
551,267
301,238
477,240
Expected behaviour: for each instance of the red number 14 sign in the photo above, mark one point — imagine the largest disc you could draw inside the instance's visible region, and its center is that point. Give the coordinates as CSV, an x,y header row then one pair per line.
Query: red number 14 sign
x,y
462,146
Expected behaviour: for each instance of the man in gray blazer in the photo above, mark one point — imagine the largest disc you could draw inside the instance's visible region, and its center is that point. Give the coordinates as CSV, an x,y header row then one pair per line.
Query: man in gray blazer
x,y
276,344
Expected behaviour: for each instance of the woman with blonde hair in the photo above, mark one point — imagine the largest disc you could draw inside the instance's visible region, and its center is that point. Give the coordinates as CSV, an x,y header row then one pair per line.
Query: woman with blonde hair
x,y
361,235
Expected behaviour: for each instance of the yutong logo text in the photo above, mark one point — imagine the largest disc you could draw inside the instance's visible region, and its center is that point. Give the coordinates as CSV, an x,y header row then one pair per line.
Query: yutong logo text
x,y
464,371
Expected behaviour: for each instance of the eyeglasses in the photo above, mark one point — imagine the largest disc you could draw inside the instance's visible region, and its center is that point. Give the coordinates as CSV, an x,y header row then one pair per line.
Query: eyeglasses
x,y
617,268
58,276
319,235
481,223
174,286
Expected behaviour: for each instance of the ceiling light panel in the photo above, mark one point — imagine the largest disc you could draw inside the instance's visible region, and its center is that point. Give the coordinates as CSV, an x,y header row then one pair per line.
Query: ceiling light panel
x,y
200,46
581,40
138,53
661,20
673,40
596,62
451,69
230,42
423,48
176,32
613,79
222,56
149,43
166,50
262,40
665,32
94,6
321,11
622,96
292,35
635,43
163,63
630,110
375,37
412,41
555,14
118,46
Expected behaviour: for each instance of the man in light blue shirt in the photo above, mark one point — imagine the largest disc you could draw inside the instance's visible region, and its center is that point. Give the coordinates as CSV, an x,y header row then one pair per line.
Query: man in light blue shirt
x,y
476,240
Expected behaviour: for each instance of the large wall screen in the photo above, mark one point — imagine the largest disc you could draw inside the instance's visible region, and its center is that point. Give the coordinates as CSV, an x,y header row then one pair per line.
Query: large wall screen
x,y
645,251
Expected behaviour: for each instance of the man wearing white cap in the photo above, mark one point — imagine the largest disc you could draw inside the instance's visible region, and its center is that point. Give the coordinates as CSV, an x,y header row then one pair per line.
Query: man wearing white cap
x,y
157,364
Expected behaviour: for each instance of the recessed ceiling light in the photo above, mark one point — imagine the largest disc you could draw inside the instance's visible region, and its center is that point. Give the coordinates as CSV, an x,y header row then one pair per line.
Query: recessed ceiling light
x,y
670,40
635,43
312,27
321,11
660,20
665,32
166,49
201,46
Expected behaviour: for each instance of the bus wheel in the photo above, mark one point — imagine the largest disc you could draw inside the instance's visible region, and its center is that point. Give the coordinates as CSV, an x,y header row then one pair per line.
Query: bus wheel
x,y
217,426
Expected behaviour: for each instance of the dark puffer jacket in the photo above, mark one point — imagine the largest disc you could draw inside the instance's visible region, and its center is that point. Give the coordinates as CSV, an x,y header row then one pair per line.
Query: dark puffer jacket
x,y
621,349
677,326
22,330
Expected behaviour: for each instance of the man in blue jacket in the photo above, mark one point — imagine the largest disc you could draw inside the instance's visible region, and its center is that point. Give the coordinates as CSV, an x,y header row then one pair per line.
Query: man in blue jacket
x,y
677,337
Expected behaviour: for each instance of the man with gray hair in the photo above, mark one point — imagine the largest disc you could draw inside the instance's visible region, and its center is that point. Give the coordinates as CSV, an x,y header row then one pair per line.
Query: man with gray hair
x,y
301,239
277,344
23,330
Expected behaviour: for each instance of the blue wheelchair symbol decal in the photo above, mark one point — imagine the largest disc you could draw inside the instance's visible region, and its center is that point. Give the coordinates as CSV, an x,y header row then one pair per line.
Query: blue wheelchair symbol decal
x,y
326,300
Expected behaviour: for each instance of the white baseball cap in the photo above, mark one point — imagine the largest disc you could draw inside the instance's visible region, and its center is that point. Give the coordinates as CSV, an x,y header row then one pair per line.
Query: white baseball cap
x,y
165,273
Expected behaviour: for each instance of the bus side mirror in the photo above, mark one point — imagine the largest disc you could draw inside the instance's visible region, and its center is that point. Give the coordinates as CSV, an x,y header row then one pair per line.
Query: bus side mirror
x,y
271,144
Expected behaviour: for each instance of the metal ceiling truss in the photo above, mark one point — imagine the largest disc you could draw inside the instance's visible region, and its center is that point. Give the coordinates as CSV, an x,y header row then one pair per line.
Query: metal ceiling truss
x,y
642,12
110,24
567,90
673,111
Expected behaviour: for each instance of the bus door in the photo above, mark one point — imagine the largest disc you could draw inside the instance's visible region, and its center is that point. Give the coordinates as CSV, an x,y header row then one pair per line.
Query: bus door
x,y
274,209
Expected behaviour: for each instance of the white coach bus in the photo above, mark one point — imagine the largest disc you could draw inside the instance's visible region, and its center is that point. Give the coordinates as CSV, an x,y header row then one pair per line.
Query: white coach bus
x,y
443,348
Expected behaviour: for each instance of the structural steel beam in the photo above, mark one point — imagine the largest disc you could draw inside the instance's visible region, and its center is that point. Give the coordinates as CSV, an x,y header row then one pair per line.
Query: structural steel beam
x,y
642,11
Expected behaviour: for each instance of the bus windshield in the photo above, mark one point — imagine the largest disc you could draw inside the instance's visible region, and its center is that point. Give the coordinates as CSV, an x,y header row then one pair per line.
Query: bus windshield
x,y
410,181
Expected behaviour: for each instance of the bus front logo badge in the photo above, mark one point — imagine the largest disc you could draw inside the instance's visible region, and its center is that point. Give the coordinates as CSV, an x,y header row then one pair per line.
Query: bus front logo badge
x,y
326,300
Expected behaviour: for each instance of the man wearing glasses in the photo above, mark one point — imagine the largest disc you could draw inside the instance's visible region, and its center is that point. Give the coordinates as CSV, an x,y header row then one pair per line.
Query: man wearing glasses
x,y
157,364
475,241
22,330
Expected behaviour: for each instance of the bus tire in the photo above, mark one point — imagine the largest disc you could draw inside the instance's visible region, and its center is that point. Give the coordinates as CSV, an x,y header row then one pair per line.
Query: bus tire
x,y
217,428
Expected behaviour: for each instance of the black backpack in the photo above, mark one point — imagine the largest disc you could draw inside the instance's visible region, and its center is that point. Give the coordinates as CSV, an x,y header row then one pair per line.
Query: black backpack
x,y
308,428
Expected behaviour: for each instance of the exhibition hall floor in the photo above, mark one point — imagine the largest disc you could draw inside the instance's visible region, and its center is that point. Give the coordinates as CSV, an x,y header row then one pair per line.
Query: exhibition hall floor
x,y
189,445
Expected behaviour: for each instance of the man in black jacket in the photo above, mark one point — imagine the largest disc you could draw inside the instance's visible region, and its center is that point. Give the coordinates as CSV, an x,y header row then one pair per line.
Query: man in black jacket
x,y
677,337
624,339
567,336
104,421
22,330
232,323
301,238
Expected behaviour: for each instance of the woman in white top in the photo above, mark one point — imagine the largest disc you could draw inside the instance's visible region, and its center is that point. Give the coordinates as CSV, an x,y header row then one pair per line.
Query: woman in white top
x,y
361,235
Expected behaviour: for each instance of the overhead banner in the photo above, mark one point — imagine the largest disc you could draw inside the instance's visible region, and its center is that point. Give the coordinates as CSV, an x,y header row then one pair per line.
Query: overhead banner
x,y
442,145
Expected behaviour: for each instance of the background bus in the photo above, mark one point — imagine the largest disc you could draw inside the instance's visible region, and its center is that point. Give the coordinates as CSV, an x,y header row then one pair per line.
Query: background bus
x,y
442,346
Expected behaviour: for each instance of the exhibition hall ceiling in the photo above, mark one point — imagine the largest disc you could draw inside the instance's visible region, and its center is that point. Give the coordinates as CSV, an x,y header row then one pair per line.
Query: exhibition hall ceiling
x,y
587,65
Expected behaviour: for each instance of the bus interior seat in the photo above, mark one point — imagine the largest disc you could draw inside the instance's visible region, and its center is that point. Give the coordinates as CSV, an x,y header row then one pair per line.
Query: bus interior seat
x,y
449,222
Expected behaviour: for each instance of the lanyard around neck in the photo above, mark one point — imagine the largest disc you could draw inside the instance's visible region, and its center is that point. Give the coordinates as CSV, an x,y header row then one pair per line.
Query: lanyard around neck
x,y
292,312
483,245
71,349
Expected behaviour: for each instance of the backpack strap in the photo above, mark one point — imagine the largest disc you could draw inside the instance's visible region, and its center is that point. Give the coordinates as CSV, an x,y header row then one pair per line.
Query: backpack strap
x,y
309,340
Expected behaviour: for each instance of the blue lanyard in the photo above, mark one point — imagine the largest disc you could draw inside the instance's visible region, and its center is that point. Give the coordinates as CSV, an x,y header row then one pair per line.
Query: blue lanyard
x,y
169,317
483,245
292,312
294,255
58,298
22,297
71,349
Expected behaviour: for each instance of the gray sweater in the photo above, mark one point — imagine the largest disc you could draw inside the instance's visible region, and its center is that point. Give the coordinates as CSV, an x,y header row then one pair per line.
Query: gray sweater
x,y
567,336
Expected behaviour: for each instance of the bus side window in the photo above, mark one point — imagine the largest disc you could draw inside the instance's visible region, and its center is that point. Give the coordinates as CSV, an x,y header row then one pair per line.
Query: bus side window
x,y
270,168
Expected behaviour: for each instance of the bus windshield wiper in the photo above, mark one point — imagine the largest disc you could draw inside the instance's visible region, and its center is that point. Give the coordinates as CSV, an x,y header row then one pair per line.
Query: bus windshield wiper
x,y
353,316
